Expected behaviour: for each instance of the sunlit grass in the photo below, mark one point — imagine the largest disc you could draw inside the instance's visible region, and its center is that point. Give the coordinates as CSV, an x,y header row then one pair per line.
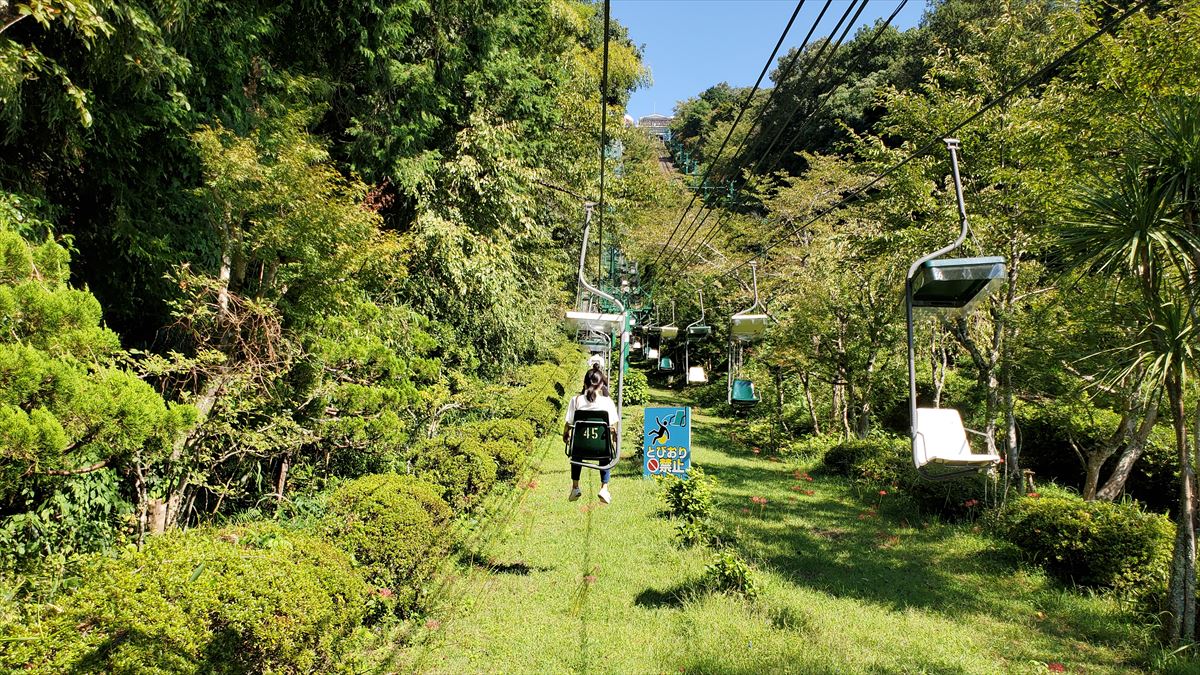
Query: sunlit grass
x,y
847,585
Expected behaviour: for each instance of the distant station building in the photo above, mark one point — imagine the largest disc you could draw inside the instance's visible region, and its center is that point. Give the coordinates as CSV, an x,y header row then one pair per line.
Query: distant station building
x,y
656,124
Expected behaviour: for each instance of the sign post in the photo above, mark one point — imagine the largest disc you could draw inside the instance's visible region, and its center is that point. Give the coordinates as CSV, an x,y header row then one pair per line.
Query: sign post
x,y
667,442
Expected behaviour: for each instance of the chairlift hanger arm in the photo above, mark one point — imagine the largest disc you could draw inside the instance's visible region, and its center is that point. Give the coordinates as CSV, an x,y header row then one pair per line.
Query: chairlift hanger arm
x,y
952,145
587,226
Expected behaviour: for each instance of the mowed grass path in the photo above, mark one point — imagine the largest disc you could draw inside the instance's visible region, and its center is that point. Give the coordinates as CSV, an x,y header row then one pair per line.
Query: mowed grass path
x,y
556,587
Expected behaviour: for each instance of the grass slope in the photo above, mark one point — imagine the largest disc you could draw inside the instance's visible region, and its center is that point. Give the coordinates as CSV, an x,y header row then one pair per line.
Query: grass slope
x,y
552,586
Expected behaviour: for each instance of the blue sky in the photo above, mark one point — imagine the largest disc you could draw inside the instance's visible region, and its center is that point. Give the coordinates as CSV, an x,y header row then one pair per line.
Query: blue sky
x,y
690,45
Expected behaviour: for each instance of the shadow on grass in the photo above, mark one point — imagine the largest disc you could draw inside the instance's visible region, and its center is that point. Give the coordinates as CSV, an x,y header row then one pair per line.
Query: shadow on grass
x,y
517,568
849,550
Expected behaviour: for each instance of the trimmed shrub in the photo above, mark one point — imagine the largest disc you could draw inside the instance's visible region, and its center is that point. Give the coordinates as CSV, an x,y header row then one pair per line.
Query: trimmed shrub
x,y
1102,544
395,527
851,457
508,441
251,599
637,387
886,463
459,465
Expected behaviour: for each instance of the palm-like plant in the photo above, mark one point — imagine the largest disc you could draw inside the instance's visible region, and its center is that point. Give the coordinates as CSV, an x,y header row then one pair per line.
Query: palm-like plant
x,y
1139,226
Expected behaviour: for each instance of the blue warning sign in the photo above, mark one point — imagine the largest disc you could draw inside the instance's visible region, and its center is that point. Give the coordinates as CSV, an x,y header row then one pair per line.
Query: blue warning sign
x,y
667,441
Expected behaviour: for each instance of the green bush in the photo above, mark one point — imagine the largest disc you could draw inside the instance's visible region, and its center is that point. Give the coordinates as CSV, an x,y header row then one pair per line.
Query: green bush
x,y
1101,544
460,465
885,463
508,441
395,527
729,574
810,447
637,387
251,599
851,457
690,499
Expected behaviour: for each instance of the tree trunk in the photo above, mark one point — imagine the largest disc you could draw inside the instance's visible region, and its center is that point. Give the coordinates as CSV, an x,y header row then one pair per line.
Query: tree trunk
x,y
1181,626
805,379
1129,455
1095,460
281,484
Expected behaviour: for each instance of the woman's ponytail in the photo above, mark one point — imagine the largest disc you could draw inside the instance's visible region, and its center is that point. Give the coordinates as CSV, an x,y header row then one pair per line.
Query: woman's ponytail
x,y
593,382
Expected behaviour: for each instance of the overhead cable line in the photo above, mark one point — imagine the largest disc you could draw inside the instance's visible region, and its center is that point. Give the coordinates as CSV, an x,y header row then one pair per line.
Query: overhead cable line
x,y
937,140
603,137
744,107
693,227
816,111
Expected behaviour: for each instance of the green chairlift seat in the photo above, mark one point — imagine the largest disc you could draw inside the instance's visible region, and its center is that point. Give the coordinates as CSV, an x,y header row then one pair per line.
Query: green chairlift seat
x,y
665,364
590,441
743,394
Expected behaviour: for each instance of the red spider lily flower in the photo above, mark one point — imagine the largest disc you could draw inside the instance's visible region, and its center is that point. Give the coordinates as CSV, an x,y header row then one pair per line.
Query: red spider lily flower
x,y
590,579
385,592
809,492
970,503
808,478
745,510
796,487
433,624
755,450
1056,667
882,493
533,485
1034,495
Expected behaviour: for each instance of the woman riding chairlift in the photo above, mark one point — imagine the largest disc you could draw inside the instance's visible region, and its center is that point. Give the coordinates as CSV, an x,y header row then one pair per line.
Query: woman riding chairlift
x,y
592,434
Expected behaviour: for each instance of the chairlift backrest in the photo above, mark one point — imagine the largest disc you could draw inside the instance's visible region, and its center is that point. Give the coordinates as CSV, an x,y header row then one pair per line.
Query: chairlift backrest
x,y
590,438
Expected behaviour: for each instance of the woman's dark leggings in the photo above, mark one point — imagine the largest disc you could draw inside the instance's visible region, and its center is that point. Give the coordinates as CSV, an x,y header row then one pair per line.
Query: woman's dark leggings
x,y
577,470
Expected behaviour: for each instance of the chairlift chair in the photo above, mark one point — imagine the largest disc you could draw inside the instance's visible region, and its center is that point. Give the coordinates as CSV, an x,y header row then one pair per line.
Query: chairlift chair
x,y
695,331
946,287
589,443
750,323
669,331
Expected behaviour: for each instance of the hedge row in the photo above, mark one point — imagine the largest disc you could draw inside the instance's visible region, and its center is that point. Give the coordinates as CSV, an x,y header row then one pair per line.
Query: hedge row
x,y
264,599
253,599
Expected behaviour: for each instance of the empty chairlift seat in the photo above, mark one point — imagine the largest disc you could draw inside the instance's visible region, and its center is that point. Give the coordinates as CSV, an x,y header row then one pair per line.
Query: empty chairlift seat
x,y
940,438
743,393
696,375
665,364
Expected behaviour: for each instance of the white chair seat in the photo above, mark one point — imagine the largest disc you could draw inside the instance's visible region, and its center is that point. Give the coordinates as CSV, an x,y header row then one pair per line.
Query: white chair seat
x,y
651,354
669,332
696,375
940,438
